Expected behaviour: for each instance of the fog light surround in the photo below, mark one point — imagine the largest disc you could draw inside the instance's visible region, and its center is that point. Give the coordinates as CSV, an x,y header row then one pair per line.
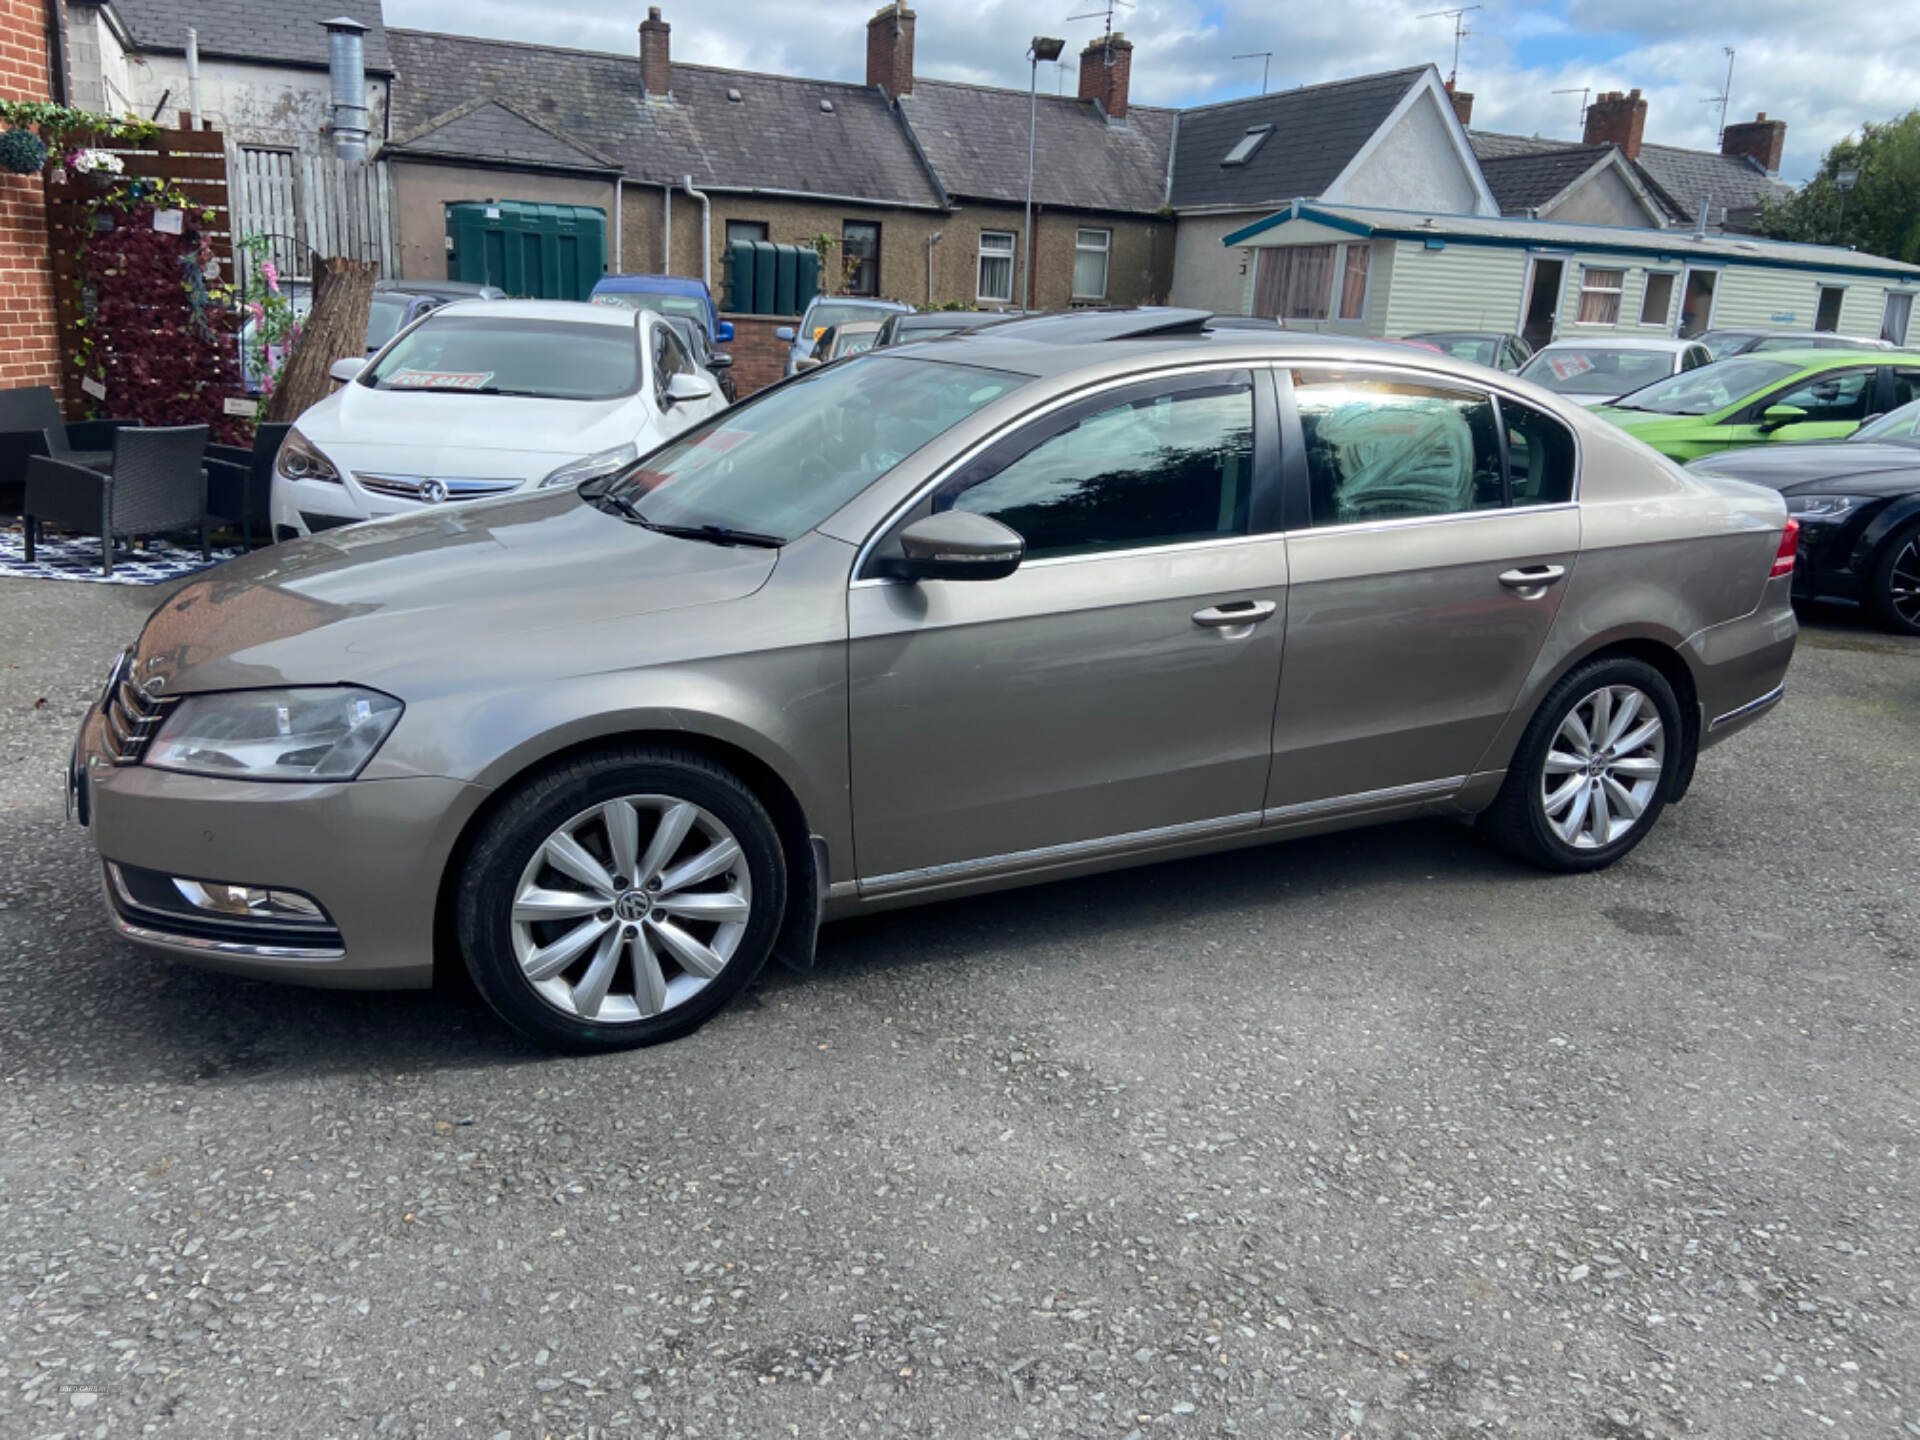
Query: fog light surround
x,y
251,902
180,911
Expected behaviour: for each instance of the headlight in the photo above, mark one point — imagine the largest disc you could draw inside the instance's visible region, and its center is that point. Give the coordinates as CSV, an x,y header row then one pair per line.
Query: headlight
x,y
300,459
578,472
1825,509
310,734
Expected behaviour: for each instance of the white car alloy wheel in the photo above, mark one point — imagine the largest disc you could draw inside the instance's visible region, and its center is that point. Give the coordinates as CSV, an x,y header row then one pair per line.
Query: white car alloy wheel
x,y
631,908
1603,767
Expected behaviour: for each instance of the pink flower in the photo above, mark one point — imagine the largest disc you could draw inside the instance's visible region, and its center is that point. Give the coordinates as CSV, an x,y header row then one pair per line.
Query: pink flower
x,y
271,275
259,312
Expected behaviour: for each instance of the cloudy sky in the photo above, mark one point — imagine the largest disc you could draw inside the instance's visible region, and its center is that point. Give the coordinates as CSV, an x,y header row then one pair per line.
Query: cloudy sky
x,y
1793,61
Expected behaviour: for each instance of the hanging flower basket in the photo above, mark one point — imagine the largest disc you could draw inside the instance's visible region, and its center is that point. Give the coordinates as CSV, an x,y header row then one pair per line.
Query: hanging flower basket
x,y
22,151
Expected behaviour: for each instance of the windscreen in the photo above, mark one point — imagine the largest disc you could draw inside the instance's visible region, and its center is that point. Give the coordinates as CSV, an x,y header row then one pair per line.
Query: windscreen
x,y
497,355
782,462
1710,388
384,320
1902,425
1480,349
1576,371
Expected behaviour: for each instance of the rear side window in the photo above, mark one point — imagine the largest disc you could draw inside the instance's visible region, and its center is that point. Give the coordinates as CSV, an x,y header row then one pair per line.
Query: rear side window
x,y
1391,449
1154,469
1540,455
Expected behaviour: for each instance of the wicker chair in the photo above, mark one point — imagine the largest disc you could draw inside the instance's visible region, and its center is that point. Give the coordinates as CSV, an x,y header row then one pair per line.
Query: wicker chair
x,y
240,481
158,487
30,424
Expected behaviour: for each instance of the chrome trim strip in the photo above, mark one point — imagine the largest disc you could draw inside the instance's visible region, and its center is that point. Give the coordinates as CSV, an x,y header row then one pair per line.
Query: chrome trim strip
x,y
1752,707
408,487
1392,794
1052,854
1401,522
194,945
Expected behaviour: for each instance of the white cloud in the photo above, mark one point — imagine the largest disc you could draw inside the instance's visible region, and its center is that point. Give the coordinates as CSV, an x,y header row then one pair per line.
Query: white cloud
x,y
1823,78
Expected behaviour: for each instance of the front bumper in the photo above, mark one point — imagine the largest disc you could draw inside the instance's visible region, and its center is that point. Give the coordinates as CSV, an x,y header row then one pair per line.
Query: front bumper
x,y
372,853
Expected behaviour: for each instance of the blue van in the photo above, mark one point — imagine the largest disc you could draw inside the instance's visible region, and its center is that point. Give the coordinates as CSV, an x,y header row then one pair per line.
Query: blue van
x,y
668,295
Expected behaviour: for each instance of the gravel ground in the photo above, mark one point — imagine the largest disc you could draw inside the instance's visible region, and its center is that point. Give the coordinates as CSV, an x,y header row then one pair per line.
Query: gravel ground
x,y
1374,1135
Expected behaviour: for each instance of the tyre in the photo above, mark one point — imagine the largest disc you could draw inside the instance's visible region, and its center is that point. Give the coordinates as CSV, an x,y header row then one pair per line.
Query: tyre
x,y
1591,775
621,899
1896,582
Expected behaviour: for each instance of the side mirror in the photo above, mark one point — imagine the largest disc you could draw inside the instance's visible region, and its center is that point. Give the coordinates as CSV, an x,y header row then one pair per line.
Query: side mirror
x,y
723,332
719,360
684,387
1777,415
956,545
785,332
806,363
347,368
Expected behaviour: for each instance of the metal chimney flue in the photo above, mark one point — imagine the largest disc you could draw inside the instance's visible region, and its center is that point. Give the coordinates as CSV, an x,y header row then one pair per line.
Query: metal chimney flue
x,y
347,70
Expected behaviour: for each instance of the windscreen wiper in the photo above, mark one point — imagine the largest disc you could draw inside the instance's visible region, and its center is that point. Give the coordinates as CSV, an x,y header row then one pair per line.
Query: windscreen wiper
x,y
714,534
613,499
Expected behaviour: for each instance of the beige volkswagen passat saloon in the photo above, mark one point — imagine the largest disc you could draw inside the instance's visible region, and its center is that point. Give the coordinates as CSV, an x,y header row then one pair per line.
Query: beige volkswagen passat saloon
x,y
1068,594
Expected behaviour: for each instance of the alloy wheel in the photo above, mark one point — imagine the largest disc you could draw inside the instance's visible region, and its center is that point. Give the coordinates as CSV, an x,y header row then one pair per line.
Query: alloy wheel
x,y
1603,767
1903,583
631,908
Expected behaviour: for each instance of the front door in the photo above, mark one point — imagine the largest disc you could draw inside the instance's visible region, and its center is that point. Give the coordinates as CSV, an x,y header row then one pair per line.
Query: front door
x,y
1421,591
1115,691
1543,301
1696,302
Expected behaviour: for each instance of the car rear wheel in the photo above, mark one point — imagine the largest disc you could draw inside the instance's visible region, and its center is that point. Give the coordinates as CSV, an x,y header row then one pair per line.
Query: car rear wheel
x,y
1591,774
621,900
1896,582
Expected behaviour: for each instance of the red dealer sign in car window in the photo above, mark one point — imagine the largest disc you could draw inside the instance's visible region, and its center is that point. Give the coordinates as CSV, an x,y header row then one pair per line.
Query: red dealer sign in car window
x,y
439,379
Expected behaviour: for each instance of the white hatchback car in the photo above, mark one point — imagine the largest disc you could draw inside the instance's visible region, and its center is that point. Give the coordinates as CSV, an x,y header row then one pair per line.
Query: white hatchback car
x,y
482,397
1598,371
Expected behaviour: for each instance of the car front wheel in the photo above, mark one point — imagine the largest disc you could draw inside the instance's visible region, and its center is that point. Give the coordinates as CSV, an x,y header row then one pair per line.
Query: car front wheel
x,y
621,899
1896,582
1591,774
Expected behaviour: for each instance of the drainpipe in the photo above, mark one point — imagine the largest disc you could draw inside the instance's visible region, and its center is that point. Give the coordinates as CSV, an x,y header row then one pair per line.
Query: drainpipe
x,y
706,232
932,240
666,254
193,77
619,256
57,42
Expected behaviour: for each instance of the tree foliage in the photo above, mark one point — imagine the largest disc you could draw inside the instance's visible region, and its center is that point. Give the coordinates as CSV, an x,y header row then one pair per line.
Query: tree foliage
x,y
1880,214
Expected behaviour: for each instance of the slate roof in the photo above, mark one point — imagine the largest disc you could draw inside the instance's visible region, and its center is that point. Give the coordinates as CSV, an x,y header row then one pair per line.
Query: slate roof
x,y
286,31
494,131
775,137
1492,145
1318,129
1726,182
975,138
1524,180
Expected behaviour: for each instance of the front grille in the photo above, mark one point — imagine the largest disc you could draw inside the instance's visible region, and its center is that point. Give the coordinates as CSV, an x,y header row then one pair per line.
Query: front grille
x,y
431,490
132,717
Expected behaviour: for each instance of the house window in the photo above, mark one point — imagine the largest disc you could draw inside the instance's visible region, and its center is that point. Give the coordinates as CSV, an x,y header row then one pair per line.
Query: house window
x,y
1826,315
1657,303
1294,282
1600,296
860,252
1244,147
1090,249
738,230
996,265
1353,282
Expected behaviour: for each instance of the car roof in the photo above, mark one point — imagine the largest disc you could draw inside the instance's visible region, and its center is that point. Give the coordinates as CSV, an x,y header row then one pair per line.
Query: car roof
x,y
578,311
439,287
1831,358
1831,338
651,285
892,307
1619,342
1458,334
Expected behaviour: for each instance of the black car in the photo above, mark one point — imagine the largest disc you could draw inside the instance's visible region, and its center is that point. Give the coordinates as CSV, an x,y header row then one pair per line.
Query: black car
x,y
1858,504
931,324
1494,348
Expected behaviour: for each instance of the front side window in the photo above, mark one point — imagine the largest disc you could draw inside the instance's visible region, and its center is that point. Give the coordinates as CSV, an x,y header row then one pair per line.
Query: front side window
x,y
1710,388
493,355
384,319
1596,370
1600,296
1837,395
1090,248
1906,389
1294,282
1656,303
785,460
670,358
1390,449
996,265
860,253
1156,469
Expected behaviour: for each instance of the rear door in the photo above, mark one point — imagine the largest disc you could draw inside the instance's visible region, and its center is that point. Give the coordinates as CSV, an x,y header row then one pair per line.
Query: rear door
x,y
1434,527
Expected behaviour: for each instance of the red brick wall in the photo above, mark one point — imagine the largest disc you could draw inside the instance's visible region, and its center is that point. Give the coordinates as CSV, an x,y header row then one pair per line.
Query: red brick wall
x,y
758,358
28,353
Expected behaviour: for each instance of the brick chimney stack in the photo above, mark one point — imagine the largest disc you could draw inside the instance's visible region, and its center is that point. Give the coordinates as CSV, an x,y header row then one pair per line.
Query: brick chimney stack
x,y
1105,68
890,50
1616,119
656,64
1462,103
1760,139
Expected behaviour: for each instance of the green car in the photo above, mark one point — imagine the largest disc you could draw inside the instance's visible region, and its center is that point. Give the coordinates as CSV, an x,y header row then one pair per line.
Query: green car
x,y
1766,397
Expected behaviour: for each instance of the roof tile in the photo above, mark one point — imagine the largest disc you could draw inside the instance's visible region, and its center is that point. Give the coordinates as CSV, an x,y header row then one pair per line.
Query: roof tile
x,y
287,31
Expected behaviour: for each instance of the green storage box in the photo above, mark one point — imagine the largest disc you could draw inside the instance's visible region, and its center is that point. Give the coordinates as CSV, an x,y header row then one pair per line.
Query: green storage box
x,y
528,249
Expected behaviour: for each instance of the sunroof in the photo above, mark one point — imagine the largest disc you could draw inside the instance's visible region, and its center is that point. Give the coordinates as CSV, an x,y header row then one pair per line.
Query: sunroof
x,y
1244,147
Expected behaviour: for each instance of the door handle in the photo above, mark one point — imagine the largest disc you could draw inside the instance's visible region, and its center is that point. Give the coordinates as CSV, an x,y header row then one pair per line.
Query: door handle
x,y
1234,612
1533,577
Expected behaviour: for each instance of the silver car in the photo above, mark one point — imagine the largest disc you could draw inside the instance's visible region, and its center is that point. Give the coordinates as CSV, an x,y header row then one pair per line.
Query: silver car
x,y
1064,595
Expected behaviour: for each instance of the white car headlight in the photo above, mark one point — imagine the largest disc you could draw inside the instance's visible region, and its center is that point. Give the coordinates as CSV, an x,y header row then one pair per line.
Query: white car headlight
x,y
300,459
1825,509
323,733
578,472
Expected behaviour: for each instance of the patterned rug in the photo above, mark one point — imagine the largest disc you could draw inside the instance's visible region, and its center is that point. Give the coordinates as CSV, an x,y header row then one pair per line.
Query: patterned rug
x,y
60,558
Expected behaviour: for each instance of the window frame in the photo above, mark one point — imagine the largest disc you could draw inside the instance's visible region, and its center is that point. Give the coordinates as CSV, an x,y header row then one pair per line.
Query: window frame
x,y
1619,293
1665,322
1820,292
765,229
1011,255
1889,296
1104,250
873,259
1335,294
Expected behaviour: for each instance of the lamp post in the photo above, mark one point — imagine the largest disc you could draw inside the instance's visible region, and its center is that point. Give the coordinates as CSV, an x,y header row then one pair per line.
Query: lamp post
x,y
1044,47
